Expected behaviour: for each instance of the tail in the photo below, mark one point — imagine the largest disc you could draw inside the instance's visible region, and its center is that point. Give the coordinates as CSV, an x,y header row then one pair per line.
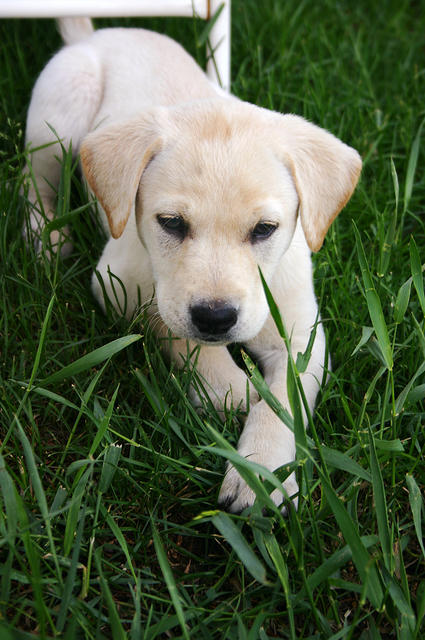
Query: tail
x,y
74,29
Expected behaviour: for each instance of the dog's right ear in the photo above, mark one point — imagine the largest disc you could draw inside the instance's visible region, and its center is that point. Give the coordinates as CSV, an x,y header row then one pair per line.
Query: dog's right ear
x,y
113,161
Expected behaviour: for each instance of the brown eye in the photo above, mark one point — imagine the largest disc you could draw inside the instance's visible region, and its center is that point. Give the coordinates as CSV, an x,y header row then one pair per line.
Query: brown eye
x,y
262,231
174,225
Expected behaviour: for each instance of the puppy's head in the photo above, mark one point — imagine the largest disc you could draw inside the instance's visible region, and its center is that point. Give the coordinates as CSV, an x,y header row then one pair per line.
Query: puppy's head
x,y
217,187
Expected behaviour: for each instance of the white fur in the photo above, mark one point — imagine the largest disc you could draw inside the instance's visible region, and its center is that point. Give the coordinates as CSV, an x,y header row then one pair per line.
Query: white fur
x,y
156,137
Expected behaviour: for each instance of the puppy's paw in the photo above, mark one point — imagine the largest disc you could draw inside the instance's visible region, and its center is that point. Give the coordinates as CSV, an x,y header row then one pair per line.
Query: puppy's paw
x,y
235,495
266,441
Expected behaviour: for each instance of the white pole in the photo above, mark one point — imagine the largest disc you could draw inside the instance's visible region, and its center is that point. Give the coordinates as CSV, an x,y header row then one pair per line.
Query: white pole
x,y
101,8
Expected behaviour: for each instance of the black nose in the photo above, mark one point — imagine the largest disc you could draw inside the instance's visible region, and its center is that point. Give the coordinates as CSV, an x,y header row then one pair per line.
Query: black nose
x,y
213,318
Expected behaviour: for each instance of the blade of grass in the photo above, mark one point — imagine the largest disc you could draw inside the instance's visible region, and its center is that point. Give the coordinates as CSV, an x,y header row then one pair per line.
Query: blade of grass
x,y
395,446
169,580
396,185
35,366
293,381
402,300
263,389
9,496
120,538
374,303
417,507
70,579
333,564
109,466
51,395
230,532
303,359
400,601
158,404
380,505
74,511
41,342
388,244
83,409
416,268
282,571
34,569
404,393
342,461
136,631
411,167
420,606
118,632
205,33
104,423
364,563
39,493
91,359
366,334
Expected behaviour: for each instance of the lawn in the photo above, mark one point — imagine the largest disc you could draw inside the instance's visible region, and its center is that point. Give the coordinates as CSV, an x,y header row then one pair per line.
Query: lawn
x,y
109,527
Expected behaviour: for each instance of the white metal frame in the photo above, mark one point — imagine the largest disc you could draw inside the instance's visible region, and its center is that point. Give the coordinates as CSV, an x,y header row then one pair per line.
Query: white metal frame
x,y
218,68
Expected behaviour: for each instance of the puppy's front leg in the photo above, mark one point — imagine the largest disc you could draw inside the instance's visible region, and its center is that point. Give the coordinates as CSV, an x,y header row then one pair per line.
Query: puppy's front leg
x,y
223,381
265,438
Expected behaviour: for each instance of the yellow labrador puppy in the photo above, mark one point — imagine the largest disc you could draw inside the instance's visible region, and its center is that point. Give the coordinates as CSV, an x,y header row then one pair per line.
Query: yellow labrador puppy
x,y
199,190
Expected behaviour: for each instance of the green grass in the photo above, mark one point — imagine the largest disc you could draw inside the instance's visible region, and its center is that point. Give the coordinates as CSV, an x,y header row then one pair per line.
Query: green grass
x,y
109,478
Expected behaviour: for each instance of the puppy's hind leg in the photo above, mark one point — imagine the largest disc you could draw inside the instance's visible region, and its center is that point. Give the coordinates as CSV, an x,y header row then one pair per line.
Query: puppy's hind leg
x,y
65,100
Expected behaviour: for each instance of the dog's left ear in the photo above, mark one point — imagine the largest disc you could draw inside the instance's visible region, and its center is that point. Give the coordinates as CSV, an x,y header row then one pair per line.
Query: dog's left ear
x,y
324,169
113,159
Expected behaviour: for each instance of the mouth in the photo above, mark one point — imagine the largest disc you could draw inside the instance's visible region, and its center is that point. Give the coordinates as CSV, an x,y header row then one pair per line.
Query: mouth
x,y
212,339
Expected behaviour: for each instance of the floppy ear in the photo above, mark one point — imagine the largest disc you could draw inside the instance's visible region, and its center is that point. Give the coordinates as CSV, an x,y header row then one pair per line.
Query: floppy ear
x,y
113,160
325,172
